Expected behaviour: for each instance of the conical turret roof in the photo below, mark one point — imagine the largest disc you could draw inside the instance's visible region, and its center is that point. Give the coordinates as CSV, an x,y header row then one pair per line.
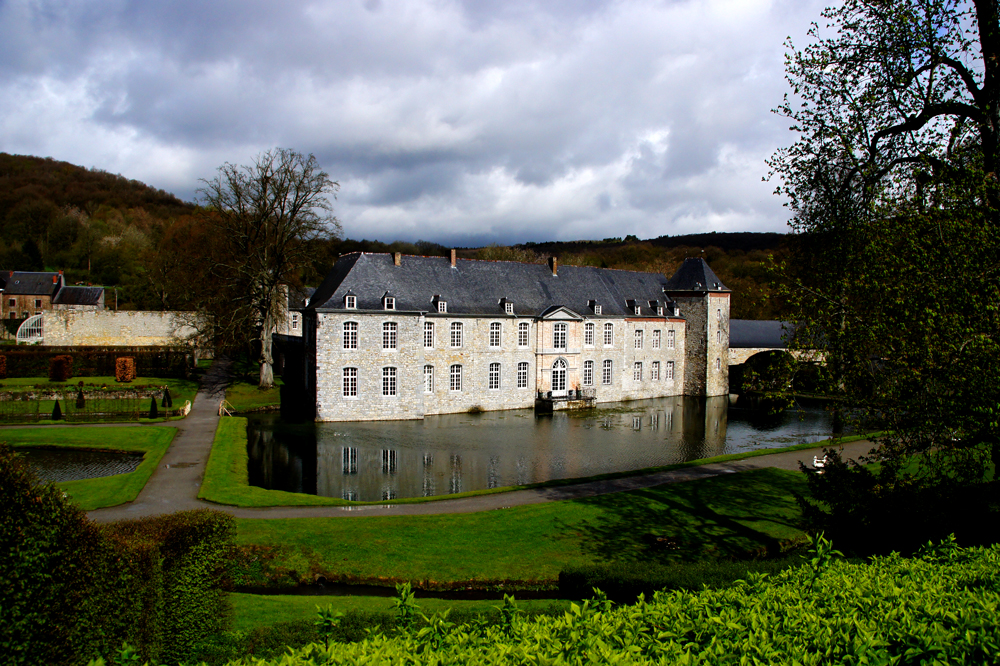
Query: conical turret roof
x,y
694,275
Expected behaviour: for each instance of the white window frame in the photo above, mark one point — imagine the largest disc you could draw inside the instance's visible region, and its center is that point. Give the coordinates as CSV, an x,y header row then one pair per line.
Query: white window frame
x,y
295,321
656,338
349,385
638,310
637,371
588,334
669,370
455,377
508,307
522,375
559,336
389,386
351,302
607,372
609,335
428,335
389,303
428,379
351,335
598,309
390,335
494,377
523,334
638,338
654,371
496,335
442,306
456,335
671,339
588,373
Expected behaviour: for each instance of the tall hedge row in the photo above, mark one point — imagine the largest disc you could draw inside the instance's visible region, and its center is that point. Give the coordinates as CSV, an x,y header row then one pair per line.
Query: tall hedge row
x,y
72,589
99,361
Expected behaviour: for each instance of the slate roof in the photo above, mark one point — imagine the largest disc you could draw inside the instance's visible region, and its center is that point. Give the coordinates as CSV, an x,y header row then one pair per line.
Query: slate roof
x,y
754,333
695,275
4,274
79,296
477,287
24,283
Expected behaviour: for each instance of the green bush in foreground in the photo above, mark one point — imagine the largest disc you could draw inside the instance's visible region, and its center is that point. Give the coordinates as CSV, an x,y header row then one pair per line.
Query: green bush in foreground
x,y
939,607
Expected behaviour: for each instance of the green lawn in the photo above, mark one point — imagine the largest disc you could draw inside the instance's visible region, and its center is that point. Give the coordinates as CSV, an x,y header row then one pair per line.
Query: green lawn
x,y
248,397
109,490
260,610
728,516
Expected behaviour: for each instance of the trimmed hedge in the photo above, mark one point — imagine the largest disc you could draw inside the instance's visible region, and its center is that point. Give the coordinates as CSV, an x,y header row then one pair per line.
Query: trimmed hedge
x,y
625,581
101,361
938,608
72,589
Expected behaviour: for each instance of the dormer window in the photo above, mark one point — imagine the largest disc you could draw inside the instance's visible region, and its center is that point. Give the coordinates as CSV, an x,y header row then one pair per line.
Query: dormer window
x,y
637,310
659,310
442,306
351,302
508,308
389,303
597,309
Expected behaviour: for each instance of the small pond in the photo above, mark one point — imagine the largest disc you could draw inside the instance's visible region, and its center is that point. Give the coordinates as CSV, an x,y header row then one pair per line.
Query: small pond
x,y
454,453
63,464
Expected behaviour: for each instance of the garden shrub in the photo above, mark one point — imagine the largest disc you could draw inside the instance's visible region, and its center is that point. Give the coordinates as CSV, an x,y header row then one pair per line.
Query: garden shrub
x,y
60,368
124,369
101,361
939,607
72,589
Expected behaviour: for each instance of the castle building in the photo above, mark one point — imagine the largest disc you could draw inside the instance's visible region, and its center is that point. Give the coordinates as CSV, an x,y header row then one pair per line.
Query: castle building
x,y
400,337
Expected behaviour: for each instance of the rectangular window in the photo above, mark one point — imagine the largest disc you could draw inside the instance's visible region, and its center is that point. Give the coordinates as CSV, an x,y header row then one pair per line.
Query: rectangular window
x,y
638,339
718,315
295,321
389,335
588,335
637,371
350,382
609,334
597,309
718,336
456,334
350,460
428,379
638,310
428,335
559,336
588,373
669,370
522,375
390,303
508,307
495,331
606,373
494,376
442,306
659,310
718,364
670,339
522,334
389,381
38,302
656,339
12,303
350,335
351,302
455,378
654,371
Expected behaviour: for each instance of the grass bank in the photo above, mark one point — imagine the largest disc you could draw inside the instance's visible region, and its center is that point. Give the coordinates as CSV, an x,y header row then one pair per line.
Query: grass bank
x,y
737,515
89,494
226,480
246,396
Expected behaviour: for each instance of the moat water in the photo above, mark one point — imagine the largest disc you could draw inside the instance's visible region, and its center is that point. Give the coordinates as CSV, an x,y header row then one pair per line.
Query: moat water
x,y
454,453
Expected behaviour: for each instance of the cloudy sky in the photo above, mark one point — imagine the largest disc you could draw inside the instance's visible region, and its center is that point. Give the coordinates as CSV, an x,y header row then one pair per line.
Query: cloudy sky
x,y
457,122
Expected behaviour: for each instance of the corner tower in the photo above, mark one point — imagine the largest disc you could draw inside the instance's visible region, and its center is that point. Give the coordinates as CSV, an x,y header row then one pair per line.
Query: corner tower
x,y
704,303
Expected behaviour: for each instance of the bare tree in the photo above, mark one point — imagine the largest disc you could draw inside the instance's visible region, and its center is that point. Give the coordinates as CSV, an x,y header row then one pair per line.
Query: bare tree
x,y
262,215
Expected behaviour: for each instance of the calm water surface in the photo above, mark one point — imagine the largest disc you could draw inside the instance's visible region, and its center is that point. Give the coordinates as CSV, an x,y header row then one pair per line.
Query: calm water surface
x,y
73,464
459,452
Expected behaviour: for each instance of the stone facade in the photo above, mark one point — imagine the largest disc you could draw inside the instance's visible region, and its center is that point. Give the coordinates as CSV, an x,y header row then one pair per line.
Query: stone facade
x,y
122,328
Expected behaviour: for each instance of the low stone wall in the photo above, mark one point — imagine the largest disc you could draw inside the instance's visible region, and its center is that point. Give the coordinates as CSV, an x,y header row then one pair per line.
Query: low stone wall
x,y
74,328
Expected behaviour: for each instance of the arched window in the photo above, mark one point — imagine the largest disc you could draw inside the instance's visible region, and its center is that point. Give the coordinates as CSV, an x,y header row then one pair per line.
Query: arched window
x,y
606,367
522,375
588,334
350,382
559,375
455,377
522,334
494,376
609,334
588,373
350,335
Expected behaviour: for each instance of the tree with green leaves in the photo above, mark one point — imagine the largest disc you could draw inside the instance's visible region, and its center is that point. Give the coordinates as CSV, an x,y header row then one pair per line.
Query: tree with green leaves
x,y
262,216
893,186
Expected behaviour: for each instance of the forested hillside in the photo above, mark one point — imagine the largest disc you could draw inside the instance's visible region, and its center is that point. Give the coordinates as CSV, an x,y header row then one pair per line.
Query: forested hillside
x,y
102,228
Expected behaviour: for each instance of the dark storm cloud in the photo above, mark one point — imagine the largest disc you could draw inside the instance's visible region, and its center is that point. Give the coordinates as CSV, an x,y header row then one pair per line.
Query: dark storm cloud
x,y
492,120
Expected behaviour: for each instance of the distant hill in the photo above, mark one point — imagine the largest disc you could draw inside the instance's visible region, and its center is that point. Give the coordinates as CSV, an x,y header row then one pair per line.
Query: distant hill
x,y
744,241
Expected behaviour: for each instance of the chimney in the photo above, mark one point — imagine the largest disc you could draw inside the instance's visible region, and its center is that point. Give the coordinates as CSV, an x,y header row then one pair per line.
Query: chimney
x,y
55,279
397,258
554,265
453,257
